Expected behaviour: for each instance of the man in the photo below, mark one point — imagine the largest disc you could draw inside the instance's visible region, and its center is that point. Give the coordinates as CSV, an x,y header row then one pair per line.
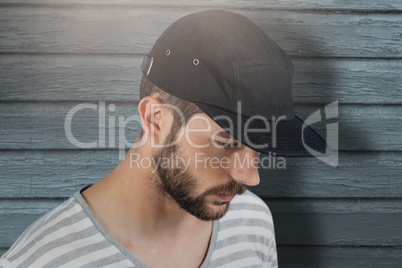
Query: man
x,y
216,92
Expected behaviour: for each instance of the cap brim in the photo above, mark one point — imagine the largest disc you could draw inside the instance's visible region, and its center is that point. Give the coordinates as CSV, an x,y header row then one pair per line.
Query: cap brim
x,y
287,138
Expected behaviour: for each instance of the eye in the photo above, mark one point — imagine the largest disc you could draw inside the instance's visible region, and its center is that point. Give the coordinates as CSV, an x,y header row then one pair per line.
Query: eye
x,y
226,145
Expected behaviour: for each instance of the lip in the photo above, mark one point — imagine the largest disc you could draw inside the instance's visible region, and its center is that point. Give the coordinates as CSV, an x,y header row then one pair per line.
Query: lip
x,y
225,197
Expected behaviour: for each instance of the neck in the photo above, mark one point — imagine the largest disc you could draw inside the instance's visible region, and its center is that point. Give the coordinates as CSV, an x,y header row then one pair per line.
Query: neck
x,y
130,209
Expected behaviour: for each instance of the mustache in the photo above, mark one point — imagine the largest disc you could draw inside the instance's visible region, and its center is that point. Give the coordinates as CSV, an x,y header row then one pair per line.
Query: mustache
x,y
231,188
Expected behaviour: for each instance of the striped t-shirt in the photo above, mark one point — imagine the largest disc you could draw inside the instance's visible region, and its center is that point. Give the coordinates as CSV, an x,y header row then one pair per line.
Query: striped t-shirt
x,y
71,236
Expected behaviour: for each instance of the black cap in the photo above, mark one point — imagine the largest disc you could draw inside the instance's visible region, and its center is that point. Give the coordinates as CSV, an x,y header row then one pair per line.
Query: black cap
x,y
236,74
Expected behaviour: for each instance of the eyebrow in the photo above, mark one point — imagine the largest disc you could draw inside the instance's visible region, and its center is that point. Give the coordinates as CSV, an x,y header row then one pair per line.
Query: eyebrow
x,y
225,135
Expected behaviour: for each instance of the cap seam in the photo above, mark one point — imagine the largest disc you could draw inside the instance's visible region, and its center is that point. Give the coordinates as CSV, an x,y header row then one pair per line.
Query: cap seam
x,y
263,65
234,79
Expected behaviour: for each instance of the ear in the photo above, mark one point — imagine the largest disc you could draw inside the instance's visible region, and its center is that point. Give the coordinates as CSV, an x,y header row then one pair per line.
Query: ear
x,y
151,112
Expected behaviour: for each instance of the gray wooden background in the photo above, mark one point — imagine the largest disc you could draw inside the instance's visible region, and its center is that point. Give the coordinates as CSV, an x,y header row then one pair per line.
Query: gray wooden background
x,y
56,54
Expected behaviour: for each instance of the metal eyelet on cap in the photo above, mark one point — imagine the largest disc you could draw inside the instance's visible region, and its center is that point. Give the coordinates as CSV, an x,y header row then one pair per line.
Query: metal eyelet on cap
x,y
196,62
168,52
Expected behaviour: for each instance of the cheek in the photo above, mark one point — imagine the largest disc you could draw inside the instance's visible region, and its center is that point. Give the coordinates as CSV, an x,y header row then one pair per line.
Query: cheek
x,y
208,164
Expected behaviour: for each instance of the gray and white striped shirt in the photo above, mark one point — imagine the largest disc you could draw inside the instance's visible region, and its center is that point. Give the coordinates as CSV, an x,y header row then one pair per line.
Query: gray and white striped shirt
x,y
71,236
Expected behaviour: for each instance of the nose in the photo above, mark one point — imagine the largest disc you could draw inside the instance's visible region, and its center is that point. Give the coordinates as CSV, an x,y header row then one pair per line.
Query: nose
x,y
245,167
249,178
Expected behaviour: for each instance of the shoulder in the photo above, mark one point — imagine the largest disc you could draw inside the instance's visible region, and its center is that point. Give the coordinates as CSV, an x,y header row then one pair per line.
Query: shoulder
x,y
248,215
250,206
251,198
46,233
245,235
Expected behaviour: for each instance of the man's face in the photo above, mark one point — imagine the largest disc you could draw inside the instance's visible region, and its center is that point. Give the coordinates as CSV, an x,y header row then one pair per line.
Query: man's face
x,y
199,188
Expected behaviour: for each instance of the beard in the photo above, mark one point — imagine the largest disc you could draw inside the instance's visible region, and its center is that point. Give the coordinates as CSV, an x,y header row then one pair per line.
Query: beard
x,y
181,185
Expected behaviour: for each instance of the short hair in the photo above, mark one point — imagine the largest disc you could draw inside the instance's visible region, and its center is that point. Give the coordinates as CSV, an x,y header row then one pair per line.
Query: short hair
x,y
188,109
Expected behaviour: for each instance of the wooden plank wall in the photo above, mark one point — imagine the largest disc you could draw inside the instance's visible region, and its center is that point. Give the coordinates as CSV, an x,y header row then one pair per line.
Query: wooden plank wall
x,y
56,54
